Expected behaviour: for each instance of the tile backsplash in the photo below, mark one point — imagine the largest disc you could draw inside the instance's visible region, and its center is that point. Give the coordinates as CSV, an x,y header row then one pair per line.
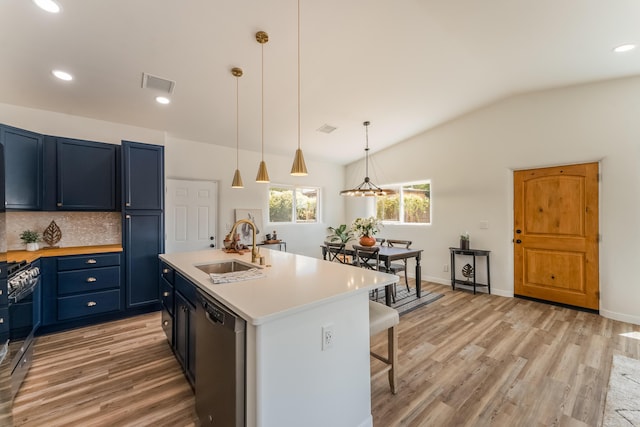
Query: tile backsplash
x,y
78,228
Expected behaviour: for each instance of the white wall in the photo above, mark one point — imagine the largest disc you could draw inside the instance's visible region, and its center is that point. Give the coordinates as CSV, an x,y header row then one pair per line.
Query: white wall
x,y
195,160
470,162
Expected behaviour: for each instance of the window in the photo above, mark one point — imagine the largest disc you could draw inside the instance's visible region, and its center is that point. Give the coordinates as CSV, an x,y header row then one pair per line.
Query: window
x,y
288,202
410,205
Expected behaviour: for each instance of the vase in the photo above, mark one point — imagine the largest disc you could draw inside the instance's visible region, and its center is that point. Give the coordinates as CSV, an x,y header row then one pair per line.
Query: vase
x,y
464,244
32,246
367,241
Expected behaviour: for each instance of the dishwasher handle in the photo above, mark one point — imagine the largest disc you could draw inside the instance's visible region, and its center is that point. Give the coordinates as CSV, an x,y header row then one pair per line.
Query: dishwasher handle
x,y
213,314
218,315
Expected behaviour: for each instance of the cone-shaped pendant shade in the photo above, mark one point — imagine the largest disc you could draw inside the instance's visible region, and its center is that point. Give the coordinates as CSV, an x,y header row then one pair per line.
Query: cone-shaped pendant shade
x,y
237,180
299,167
263,175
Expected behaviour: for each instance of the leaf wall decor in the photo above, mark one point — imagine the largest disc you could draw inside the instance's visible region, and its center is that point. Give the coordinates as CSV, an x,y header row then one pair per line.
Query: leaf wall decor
x,y
52,234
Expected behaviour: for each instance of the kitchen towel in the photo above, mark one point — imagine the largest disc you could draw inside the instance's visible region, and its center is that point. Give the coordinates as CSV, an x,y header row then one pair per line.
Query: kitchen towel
x,y
237,276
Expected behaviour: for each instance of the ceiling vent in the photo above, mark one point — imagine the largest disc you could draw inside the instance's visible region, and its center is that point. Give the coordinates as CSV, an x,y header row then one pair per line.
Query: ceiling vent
x,y
326,128
150,81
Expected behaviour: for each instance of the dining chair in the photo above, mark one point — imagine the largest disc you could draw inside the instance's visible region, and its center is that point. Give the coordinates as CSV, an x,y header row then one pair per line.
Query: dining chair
x,y
369,257
383,318
380,241
336,252
395,268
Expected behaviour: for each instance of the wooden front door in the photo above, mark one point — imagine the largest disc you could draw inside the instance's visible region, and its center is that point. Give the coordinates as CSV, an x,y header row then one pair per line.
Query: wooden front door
x,y
556,234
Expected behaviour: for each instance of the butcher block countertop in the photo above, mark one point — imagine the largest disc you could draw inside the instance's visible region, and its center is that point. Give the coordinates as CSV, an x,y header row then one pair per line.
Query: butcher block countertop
x,y
30,256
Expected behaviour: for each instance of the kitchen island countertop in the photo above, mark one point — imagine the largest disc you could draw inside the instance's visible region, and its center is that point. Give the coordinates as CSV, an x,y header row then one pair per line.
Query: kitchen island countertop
x,y
291,283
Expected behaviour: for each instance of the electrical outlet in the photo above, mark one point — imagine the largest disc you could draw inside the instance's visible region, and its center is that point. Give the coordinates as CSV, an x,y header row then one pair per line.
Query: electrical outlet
x,y
445,268
327,337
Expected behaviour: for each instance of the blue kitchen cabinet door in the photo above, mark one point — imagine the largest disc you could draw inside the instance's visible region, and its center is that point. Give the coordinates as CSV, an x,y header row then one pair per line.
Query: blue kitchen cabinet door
x,y
144,241
87,175
23,168
184,335
142,176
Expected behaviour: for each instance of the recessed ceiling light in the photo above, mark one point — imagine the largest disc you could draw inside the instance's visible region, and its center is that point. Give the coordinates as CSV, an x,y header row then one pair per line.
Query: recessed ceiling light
x,y
624,48
48,5
162,100
62,75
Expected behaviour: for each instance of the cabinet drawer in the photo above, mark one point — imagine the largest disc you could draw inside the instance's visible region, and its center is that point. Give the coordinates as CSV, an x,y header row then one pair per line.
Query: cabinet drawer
x,y
186,288
4,320
88,280
166,294
3,293
88,304
77,262
167,272
167,325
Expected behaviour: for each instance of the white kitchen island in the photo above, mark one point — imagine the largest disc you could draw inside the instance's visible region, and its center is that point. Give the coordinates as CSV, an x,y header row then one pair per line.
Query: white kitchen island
x,y
290,379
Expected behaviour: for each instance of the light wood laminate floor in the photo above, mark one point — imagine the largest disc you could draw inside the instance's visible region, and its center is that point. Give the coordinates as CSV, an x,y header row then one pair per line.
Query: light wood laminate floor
x,y
465,360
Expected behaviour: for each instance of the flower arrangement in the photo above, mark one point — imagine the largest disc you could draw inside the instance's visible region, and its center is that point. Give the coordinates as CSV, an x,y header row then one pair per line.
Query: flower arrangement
x,y
464,236
366,227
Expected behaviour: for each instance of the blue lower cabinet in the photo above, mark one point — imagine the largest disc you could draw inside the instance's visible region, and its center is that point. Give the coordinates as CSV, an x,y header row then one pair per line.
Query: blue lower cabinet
x,y
144,240
76,306
88,280
184,343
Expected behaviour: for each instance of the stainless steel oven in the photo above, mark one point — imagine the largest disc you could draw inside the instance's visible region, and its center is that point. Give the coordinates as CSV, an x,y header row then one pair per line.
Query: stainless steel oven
x,y
23,283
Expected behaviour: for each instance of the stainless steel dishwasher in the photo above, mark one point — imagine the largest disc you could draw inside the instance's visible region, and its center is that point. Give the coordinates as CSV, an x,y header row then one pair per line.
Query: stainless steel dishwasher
x,y
220,364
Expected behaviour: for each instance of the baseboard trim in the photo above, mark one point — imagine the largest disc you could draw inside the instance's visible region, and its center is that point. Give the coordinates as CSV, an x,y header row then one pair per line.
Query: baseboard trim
x,y
447,282
620,316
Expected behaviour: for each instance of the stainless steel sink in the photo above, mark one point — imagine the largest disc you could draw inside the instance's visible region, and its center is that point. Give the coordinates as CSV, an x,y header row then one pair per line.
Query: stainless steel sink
x,y
222,267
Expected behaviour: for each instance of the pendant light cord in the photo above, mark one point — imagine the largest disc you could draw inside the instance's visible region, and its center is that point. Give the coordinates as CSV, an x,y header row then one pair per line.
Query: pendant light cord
x,y
366,150
262,103
298,74
237,123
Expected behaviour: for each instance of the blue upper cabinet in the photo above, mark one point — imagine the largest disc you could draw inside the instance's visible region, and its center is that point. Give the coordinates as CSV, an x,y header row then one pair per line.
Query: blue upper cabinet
x,y
24,168
143,176
87,175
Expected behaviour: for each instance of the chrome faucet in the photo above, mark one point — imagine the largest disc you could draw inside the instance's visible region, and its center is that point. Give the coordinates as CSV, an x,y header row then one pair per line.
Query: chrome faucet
x,y
254,250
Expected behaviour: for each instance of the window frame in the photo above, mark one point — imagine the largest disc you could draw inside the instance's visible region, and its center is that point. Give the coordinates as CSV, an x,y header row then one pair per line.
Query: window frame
x,y
294,189
399,188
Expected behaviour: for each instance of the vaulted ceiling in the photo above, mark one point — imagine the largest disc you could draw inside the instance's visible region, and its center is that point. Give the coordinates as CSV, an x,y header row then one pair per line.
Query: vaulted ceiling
x,y
405,65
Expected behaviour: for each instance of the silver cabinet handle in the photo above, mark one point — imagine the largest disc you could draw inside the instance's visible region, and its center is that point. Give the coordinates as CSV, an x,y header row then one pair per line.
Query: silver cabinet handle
x,y
165,323
91,261
91,279
165,270
128,204
92,304
0,291
165,294
1,320
59,204
127,216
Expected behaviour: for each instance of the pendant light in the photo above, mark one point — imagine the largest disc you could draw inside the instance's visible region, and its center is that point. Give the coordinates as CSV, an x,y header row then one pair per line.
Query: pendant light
x,y
263,175
237,179
299,168
367,188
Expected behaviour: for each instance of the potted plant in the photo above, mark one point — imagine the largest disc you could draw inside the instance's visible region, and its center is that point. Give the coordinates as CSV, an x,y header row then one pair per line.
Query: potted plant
x,y
464,240
340,234
31,238
366,228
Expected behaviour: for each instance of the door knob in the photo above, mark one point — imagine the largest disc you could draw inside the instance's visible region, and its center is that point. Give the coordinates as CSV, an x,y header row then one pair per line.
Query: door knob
x,y
518,241
211,238
518,231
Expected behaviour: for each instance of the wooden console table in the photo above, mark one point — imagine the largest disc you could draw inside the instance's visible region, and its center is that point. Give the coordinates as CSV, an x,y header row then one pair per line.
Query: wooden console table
x,y
473,253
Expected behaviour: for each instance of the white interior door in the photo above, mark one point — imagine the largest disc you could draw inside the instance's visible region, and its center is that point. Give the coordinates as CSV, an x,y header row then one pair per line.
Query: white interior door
x,y
191,215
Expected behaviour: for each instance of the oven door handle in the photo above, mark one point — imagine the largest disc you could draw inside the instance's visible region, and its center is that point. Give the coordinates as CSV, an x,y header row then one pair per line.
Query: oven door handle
x,y
24,292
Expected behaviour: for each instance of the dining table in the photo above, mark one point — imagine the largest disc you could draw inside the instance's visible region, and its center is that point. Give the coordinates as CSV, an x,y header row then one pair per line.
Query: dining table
x,y
387,255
